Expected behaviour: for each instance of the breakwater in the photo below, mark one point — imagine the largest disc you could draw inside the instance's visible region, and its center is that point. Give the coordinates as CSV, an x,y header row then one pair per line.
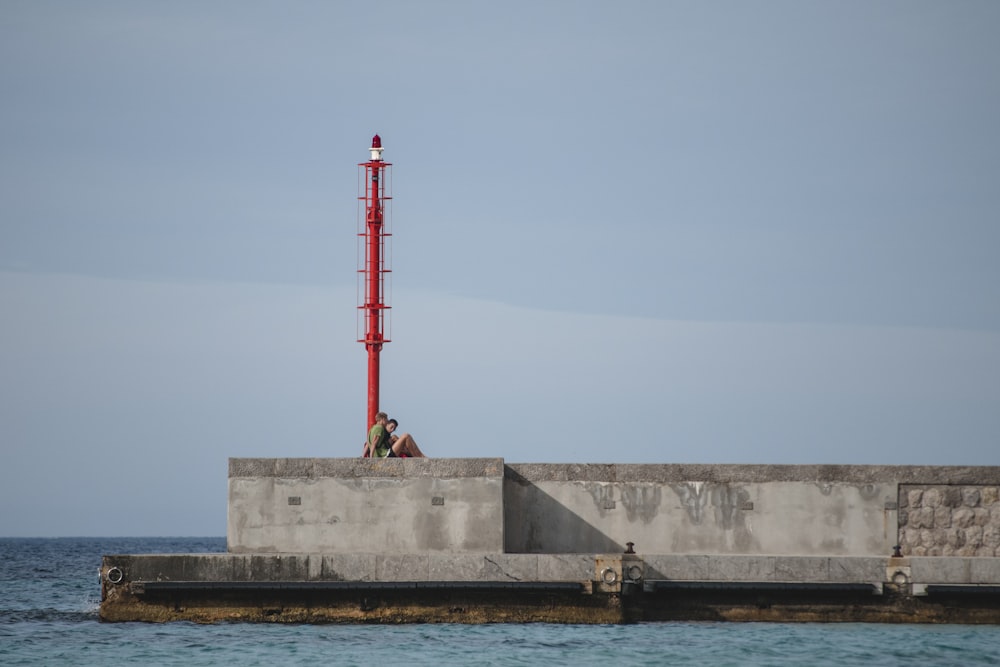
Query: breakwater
x,y
478,540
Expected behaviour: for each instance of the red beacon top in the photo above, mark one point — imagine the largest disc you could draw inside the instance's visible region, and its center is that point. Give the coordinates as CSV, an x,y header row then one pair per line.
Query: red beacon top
x,y
376,148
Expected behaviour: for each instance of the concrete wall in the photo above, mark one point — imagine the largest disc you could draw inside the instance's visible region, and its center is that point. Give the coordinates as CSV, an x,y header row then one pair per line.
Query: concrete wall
x,y
364,505
720,509
455,506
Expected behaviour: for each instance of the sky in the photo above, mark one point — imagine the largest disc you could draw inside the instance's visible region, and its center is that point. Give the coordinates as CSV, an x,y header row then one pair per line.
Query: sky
x,y
622,232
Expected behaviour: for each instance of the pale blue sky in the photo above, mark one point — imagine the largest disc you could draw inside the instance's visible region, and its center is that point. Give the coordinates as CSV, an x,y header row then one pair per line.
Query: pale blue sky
x,y
623,232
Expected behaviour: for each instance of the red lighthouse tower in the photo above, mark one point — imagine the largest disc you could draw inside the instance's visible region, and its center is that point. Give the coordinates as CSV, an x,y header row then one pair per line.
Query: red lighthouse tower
x,y
373,265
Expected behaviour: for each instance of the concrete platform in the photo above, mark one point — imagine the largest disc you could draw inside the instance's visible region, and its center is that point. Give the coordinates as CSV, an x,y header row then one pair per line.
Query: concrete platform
x,y
575,588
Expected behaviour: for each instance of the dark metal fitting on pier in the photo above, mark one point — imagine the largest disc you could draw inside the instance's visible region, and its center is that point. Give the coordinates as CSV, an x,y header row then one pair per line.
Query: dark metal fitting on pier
x,y
629,547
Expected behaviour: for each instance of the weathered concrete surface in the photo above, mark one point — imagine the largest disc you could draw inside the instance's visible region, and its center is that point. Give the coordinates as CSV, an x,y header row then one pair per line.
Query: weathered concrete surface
x,y
481,505
954,570
701,517
785,606
356,567
368,606
361,505
364,598
751,473
612,588
811,569
501,567
716,509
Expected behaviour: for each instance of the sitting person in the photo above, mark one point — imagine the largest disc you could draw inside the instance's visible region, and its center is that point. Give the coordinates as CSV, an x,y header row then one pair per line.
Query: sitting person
x,y
384,444
381,435
390,426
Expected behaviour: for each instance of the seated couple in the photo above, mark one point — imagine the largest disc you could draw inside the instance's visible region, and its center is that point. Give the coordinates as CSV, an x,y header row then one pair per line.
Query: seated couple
x,y
383,444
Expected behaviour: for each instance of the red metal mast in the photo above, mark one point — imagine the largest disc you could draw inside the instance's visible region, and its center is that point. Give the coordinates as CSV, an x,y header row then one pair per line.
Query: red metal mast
x,y
374,267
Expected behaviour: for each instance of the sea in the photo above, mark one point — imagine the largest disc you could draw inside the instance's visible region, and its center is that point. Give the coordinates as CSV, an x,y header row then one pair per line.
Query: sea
x,y
50,591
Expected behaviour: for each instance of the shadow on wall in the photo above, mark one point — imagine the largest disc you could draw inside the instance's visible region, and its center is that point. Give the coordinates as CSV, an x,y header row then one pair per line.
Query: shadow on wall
x,y
531,511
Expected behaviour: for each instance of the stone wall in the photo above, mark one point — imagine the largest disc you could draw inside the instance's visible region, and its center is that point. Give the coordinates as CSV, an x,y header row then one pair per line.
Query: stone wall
x,y
949,520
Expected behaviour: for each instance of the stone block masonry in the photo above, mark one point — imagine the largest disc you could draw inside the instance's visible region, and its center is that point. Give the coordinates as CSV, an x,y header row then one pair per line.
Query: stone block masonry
x,y
949,520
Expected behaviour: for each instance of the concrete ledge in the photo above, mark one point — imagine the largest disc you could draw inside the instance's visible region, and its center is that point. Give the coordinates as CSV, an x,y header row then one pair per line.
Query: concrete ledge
x,y
358,567
840,569
735,473
955,570
611,472
312,468
369,567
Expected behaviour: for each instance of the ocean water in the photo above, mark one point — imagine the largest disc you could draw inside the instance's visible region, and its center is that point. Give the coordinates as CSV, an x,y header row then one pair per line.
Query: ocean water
x,y
49,595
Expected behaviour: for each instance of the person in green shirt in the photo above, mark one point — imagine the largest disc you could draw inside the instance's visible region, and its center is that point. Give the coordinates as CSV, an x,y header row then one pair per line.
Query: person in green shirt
x,y
382,444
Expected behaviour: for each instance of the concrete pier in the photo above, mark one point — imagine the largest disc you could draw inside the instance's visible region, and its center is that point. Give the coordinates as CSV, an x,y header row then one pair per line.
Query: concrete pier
x,y
477,540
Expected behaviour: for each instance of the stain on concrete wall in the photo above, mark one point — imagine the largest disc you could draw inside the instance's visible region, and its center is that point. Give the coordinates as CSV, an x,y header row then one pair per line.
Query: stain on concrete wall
x,y
723,503
693,499
641,501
